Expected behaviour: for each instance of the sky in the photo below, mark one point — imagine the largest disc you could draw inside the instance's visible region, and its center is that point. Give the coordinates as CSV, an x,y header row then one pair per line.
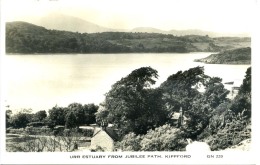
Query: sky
x,y
211,15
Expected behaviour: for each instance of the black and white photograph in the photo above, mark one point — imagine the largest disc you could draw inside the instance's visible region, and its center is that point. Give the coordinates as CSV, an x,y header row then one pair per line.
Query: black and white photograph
x,y
105,81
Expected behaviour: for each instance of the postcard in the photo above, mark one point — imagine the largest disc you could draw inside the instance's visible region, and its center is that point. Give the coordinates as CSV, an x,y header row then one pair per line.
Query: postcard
x,y
129,82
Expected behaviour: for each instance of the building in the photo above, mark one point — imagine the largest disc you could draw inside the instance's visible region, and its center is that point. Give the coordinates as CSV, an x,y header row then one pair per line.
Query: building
x,y
104,138
178,119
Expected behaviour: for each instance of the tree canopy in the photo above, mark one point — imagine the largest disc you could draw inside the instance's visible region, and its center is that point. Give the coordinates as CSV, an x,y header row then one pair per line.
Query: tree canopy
x,y
132,105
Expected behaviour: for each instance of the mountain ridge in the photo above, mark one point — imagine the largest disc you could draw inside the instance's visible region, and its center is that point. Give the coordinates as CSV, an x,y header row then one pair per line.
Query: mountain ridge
x,y
69,23
59,21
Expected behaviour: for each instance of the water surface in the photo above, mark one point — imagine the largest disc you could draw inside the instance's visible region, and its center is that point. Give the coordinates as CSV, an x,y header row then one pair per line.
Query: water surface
x,y
42,81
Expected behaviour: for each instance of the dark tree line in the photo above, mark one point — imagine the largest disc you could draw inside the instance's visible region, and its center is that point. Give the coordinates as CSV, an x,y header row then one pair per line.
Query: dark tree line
x,y
72,116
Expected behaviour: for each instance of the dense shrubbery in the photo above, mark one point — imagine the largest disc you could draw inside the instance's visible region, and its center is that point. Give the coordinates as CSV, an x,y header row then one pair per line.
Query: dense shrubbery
x,y
164,138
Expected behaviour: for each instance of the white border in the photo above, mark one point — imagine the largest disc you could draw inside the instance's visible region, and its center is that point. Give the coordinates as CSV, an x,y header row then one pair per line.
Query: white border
x,y
250,157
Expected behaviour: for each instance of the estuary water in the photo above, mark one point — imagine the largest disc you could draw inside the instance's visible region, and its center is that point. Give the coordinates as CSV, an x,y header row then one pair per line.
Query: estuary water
x,y
43,81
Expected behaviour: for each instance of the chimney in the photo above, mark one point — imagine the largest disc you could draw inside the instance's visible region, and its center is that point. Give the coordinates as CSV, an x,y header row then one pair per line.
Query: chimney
x,y
104,124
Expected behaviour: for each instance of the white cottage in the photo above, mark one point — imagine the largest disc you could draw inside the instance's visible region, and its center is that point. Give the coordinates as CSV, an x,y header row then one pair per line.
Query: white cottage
x,y
104,138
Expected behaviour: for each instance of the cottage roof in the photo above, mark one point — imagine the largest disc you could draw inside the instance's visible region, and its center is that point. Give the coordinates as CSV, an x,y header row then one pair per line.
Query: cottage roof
x,y
109,131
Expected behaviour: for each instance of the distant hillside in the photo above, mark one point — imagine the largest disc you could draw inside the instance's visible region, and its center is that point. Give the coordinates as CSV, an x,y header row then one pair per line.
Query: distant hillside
x,y
57,21
22,37
68,23
235,56
189,32
148,30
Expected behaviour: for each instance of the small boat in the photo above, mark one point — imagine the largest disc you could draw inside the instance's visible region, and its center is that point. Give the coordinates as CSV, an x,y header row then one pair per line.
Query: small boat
x,y
229,83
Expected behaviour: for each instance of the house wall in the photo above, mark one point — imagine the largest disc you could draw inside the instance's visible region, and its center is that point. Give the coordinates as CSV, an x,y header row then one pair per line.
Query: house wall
x,y
103,140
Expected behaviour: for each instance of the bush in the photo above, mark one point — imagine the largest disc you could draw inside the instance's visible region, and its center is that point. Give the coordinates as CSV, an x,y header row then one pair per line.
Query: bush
x,y
232,134
130,142
164,138
16,131
87,132
38,130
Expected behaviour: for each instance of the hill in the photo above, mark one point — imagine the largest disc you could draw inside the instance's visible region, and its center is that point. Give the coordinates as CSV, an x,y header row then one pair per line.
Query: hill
x,y
188,32
69,23
58,21
235,56
22,37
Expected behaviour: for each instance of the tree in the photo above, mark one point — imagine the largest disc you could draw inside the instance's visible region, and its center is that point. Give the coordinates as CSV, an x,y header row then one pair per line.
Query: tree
x,y
40,115
85,114
242,101
8,114
57,115
131,104
180,89
78,112
198,95
89,111
215,92
19,120
71,120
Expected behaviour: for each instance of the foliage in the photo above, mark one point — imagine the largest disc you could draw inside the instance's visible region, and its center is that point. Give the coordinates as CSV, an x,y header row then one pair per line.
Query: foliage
x,y
242,102
20,120
215,92
234,132
40,115
77,114
15,130
86,132
163,138
231,122
131,105
85,114
71,120
178,89
36,124
8,114
57,115
197,94
131,142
